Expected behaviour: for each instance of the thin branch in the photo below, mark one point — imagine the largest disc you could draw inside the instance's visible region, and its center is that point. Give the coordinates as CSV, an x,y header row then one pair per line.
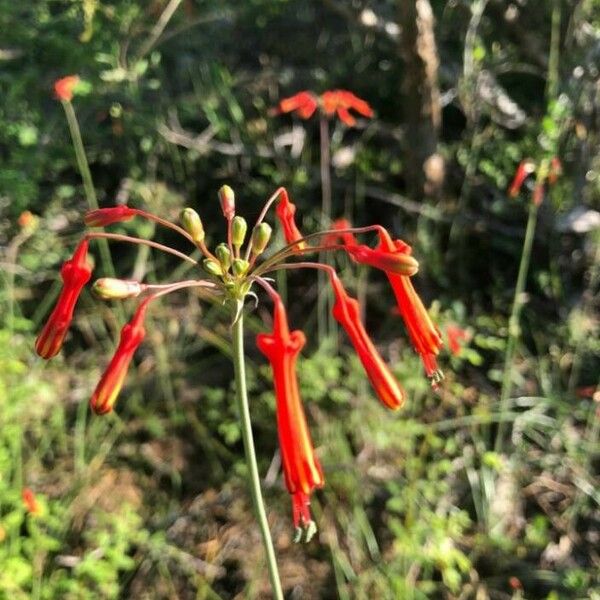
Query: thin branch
x,y
158,28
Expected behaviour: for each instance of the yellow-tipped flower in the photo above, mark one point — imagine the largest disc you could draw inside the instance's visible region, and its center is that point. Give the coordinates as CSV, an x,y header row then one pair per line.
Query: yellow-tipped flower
x,y
239,227
192,224
227,199
109,288
260,238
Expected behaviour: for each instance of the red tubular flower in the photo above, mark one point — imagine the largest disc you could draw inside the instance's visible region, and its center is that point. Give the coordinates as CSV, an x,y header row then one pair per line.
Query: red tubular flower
x,y
102,217
63,88
75,274
346,312
341,102
285,213
425,336
457,336
32,506
525,168
301,467
132,335
303,103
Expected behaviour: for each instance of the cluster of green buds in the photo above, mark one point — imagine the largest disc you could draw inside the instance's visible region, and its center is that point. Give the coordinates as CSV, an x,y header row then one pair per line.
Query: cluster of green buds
x,y
230,263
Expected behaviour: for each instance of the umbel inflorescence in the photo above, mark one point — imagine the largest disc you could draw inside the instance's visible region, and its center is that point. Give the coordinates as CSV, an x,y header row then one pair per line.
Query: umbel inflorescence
x,y
230,273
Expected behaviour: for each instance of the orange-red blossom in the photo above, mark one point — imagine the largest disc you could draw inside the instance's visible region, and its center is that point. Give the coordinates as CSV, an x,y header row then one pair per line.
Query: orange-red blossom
x,y
547,171
75,273
232,277
303,103
394,258
32,506
341,102
457,337
64,87
346,311
425,336
331,102
111,382
301,467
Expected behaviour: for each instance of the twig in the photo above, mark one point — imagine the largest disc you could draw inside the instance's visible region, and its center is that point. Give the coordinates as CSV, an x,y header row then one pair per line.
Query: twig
x,y
158,28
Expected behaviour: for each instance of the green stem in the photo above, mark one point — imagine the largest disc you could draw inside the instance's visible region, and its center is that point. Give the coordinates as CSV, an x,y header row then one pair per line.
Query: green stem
x,y
325,165
554,55
513,322
324,321
88,184
242,399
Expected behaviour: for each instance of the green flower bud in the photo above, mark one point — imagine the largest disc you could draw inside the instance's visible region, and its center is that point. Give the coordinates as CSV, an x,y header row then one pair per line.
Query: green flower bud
x,y
227,199
260,238
224,255
240,267
212,266
238,231
109,288
192,224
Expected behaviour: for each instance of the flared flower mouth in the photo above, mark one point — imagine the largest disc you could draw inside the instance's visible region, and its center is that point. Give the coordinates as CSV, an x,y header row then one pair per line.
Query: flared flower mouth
x,y
302,470
340,103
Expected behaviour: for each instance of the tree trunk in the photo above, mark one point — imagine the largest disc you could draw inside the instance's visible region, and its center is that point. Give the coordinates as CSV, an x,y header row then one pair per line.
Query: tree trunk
x,y
424,165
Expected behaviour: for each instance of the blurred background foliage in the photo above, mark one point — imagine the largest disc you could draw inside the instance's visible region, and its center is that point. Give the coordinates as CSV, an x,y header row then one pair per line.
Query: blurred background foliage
x,y
177,100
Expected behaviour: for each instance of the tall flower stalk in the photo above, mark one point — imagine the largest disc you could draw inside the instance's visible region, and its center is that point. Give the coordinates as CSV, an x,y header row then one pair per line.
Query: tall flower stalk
x,y
330,104
241,393
230,273
547,171
64,90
